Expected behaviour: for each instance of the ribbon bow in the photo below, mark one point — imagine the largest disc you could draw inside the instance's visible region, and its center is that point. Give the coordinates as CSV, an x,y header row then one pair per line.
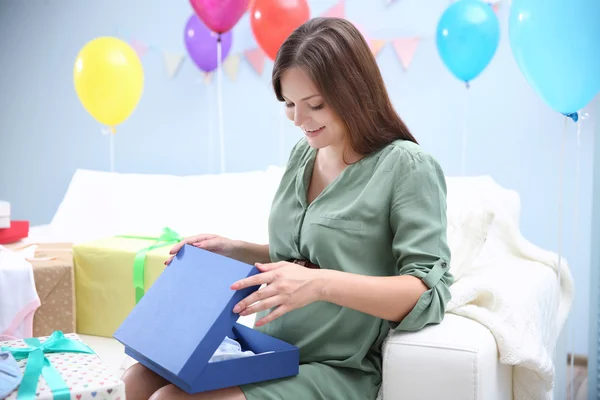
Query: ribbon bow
x,y
38,364
167,237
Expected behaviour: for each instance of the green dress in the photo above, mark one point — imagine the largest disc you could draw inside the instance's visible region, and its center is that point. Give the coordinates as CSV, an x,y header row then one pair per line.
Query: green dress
x,y
384,215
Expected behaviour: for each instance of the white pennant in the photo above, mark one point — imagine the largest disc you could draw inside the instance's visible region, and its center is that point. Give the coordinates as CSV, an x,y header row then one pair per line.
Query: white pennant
x,y
172,62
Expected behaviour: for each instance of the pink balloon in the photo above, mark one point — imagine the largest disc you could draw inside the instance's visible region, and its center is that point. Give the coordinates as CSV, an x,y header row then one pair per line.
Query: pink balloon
x,y
220,15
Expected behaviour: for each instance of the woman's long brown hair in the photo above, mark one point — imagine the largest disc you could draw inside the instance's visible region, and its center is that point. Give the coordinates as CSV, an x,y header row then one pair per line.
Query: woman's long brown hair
x,y
339,61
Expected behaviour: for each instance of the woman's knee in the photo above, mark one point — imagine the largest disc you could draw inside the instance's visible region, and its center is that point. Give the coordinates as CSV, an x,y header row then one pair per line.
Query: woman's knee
x,y
141,383
172,392
169,392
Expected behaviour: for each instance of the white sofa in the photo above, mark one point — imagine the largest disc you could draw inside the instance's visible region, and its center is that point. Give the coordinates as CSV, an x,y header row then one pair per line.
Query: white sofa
x,y
459,359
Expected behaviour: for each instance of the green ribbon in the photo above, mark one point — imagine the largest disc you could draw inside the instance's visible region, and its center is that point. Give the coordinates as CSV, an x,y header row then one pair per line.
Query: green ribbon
x,y
168,237
38,364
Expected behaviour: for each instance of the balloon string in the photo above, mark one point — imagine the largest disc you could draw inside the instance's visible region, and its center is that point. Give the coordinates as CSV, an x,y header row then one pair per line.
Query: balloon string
x,y
210,119
111,135
465,128
560,218
220,104
575,240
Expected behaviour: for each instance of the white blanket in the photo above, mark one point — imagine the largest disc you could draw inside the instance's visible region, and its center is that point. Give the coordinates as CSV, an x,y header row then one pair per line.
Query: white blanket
x,y
514,291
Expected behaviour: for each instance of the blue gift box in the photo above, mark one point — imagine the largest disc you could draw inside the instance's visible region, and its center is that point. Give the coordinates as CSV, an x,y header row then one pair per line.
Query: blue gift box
x,y
185,315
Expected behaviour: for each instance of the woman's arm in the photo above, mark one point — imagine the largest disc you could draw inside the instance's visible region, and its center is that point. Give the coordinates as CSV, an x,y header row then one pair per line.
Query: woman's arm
x,y
251,253
388,298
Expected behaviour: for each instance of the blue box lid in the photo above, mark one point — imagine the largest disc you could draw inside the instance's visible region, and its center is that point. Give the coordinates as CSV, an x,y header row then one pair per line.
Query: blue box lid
x,y
187,312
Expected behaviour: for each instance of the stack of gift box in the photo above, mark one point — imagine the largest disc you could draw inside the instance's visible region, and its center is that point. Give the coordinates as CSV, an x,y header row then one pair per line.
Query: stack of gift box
x,y
119,287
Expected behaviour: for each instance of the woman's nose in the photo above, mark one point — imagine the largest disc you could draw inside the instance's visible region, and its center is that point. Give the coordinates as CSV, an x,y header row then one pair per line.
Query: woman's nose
x,y
298,118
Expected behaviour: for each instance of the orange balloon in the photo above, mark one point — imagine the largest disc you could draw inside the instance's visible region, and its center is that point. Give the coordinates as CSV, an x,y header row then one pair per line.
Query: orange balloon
x,y
272,21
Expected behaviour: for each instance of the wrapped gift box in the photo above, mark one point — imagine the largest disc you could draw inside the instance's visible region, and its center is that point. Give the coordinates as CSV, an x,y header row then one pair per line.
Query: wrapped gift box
x,y
18,230
55,285
184,317
112,274
4,214
74,368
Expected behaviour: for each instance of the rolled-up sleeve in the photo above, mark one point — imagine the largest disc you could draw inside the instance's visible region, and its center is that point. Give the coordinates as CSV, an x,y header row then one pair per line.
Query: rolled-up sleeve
x,y
420,245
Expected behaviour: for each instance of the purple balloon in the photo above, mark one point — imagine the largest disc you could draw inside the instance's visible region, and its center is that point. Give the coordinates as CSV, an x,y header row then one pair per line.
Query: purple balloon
x,y
201,44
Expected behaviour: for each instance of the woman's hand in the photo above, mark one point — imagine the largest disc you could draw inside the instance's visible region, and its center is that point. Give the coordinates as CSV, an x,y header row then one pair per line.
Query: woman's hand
x,y
213,243
289,286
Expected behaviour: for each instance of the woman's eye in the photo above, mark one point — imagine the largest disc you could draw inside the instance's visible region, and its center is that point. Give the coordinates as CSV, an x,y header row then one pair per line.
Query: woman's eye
x,y
320,106
289,105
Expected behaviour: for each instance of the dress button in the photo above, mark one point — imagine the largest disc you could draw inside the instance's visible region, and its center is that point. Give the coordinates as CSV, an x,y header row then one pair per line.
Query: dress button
x,y
444,265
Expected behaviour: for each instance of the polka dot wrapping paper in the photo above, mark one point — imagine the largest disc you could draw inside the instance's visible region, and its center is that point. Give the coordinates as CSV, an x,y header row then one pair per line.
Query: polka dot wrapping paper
x,y
87,377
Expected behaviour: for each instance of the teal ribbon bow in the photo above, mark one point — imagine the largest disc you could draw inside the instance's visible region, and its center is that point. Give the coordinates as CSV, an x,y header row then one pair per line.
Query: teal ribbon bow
x,y
38,364
167,237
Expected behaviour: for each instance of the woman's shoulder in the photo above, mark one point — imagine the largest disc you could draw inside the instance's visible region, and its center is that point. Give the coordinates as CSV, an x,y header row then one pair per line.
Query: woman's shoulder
x,y
404,156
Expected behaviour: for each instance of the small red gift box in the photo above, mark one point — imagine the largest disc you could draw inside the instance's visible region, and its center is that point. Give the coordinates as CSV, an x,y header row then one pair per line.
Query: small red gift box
x,y
18,230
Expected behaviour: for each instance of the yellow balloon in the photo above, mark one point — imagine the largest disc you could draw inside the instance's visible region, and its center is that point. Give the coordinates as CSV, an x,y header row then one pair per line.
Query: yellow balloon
x,y
109,79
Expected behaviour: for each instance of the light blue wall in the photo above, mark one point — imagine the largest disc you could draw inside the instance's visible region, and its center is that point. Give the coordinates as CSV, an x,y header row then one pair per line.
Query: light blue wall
x,y
45,134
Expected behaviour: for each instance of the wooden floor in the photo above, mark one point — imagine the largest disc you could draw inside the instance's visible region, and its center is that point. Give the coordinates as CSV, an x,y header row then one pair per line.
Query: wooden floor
x,y
579,382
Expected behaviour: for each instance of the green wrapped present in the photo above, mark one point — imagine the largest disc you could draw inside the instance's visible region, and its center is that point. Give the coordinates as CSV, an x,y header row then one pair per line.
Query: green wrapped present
x,y
111,276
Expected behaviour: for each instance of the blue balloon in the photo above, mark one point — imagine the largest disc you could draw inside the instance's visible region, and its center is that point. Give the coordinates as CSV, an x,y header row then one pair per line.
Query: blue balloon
x,y
556,44
467,38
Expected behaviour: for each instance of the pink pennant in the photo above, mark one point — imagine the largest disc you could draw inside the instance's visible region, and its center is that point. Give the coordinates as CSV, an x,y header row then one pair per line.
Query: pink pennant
x,y
405,50
139,47
337,11
256,58
496,7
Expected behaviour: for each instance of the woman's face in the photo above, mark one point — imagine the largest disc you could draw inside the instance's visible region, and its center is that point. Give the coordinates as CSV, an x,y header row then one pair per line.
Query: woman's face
x,y
307,109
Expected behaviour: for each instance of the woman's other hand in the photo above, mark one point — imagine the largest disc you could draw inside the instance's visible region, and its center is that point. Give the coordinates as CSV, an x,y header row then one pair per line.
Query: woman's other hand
x,y
289,286
213,243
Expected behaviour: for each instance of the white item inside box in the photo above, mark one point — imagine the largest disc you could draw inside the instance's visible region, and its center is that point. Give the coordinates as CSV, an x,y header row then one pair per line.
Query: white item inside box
x,y
230,349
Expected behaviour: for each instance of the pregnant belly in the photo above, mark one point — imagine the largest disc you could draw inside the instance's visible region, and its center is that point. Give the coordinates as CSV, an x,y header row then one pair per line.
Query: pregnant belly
x,y
326,332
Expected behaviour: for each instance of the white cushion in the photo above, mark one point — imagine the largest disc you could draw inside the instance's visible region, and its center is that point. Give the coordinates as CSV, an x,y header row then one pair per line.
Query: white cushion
x,y
99,204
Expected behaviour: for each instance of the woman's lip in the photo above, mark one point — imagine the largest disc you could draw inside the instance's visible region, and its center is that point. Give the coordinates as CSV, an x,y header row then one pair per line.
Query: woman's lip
x,y
314,133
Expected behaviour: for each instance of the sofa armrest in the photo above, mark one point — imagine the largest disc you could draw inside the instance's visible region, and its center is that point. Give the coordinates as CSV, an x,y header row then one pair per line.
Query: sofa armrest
x,y
454,360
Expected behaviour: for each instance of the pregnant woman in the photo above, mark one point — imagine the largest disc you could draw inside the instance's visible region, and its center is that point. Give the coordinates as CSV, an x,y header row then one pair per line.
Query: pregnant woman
x,y
357,229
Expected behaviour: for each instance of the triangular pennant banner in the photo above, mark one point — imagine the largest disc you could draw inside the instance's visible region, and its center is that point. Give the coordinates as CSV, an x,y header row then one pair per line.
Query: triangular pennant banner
x,y
377,45
405,49
139,47
337,11
172,62
496,7
256,58
231,65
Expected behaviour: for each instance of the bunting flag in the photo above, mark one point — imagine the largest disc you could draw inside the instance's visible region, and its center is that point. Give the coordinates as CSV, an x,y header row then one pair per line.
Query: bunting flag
x,y
496,7
377,45
256,58
140,48
231,66
337,11
405,49
172,62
